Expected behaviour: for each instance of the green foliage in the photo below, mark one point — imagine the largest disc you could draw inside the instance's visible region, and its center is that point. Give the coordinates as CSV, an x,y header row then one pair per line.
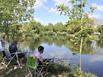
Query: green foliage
x,y
100,29
86,31
100,36
29,29
79,24
76,11
14,12
59,27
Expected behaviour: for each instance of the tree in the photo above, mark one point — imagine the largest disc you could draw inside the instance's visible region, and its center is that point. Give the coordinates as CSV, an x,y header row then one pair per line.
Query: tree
x,y
59,27
15,12
79,24
76,11
49,27
100,41
36,26
78,17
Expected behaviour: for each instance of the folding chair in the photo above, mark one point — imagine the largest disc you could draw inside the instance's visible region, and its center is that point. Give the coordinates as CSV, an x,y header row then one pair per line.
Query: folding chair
x,y
8,58
32,64
15,55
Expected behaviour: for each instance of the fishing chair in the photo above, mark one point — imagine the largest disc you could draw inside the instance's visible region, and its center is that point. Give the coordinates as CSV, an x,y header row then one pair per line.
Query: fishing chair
x,y
34,69
10,57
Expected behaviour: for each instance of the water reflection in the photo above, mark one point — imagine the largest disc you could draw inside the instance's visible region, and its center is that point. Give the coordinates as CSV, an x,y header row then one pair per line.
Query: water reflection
x,y
56,51
92,59
58,41
100,42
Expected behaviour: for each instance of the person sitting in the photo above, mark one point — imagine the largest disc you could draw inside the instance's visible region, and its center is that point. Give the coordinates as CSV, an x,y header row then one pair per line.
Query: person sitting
x,y
13,48
39,55
42,63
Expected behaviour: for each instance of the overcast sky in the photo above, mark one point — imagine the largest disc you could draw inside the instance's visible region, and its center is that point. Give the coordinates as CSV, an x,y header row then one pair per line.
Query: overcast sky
x,y
46,11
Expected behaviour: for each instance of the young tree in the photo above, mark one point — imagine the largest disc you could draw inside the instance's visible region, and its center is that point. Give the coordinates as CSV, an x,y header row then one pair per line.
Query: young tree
x,y
79,24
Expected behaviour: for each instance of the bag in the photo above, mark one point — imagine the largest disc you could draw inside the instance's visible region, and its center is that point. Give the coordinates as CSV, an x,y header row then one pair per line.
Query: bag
x,y
1,47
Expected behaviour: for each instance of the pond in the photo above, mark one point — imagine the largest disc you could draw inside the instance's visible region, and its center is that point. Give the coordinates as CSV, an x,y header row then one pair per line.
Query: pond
x,y
90,62
92,59
92,56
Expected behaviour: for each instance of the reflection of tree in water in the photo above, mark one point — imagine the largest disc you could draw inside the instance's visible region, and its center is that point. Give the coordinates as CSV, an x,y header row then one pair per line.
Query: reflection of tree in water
x,y
59,41
48,39
100,41
34,43
87,49
30,43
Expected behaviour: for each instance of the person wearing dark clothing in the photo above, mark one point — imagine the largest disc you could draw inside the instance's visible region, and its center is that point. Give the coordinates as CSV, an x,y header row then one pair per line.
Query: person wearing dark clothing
x,y
13,48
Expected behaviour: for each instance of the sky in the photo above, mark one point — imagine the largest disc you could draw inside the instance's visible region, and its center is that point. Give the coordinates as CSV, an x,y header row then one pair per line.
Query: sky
x,y
46,11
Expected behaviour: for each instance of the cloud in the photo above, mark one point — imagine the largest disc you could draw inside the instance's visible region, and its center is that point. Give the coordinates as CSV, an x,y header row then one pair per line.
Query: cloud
x,y
98,7
40,3
98,20
54,10
97,16
45,22
97,57
57,2
40,20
